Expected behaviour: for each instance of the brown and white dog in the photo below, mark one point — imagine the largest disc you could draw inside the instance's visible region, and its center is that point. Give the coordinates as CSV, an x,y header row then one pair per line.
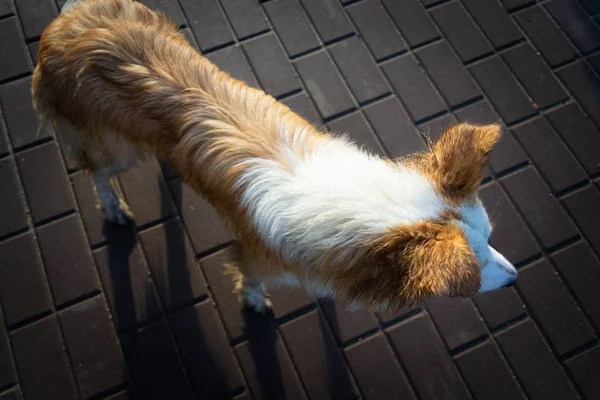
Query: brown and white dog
x,y
307,208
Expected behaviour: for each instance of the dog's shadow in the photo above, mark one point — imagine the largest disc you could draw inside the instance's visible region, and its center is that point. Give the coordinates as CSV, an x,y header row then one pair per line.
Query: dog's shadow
x,y
171,352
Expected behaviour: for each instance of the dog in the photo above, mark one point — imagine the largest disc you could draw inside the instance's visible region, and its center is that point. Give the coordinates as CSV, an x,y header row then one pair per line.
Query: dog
x,y
307,208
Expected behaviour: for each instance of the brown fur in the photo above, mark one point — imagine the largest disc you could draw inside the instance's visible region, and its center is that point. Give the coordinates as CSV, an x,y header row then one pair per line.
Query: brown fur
x,y
456,161
129,81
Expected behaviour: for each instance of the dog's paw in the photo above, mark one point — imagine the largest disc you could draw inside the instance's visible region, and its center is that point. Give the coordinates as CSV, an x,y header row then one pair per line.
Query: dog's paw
x,y
258,301
120,215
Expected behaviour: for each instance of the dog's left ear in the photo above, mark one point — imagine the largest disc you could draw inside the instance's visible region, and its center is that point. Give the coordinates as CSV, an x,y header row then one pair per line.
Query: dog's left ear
x,y
459,156
440,263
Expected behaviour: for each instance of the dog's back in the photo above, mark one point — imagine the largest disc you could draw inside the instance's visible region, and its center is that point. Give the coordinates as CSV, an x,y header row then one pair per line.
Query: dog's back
x,y
128,80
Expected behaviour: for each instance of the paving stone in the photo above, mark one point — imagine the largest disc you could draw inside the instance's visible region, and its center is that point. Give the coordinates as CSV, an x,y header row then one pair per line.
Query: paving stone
x,y
288,300
321,366
3,137
530,358
510,235
125,395
493,21
436,127
42,361
413,86
554,307
412,21
328,18
581,270
547,38
201,220
393,127
22,288
208,23
35,15
377,372
511,5
545,148
579,134
189,37
499,307
89,208
584,368
507,153
359,71
502,89
238,320
6,8
204,348
21,119
8,374
460,31
268,368
584,84
535,76
346,324
271,66
591,6
389,317
44,181
64,134
357,129
12,52
594,61
582,205
126,280
447,72
93,347
421,351
171,259
154,364
487,374
292,26
303,106
13,394
577,25
147,193
69,264
377,29
246,17
457,320
324,84
232,60
12,217
539,208
169,8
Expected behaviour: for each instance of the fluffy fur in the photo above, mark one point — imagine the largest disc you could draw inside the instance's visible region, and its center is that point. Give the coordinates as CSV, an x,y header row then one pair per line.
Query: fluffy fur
x,y
308,208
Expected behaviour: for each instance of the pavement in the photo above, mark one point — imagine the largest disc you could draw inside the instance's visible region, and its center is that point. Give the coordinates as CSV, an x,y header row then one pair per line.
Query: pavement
x,y
94,311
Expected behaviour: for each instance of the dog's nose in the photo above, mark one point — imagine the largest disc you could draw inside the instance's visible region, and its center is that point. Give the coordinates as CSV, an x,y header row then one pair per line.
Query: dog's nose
x,y
511,282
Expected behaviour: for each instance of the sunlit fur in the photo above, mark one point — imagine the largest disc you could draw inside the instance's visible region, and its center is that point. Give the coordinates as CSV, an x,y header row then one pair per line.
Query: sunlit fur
x,y
307,208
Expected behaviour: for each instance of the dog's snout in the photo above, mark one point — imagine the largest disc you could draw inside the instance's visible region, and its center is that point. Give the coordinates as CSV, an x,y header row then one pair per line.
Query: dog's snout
x,y
511,282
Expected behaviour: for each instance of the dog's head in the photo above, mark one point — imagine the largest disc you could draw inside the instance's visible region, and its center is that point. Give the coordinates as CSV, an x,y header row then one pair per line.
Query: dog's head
x,y
450,254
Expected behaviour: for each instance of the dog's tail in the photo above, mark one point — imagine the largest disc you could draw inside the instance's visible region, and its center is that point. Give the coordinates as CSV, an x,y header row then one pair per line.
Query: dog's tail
x,y
69,4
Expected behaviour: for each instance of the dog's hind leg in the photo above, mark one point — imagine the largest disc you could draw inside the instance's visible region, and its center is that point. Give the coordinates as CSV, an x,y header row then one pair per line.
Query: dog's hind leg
x,y
115,208
248,287
105,160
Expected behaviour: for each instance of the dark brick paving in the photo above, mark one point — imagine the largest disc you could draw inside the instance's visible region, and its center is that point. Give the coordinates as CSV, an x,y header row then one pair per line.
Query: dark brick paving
x,y
94,311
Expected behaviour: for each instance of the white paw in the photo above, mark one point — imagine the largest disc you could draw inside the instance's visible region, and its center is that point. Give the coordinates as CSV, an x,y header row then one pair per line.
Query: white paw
x,y
257,300
120,214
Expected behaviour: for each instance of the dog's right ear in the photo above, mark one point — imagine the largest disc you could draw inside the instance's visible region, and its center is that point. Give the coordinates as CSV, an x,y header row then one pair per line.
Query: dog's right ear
x,y
458,157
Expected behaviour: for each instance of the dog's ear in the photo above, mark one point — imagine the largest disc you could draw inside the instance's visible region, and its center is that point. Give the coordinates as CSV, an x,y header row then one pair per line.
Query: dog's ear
x,y
439,262
457,159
